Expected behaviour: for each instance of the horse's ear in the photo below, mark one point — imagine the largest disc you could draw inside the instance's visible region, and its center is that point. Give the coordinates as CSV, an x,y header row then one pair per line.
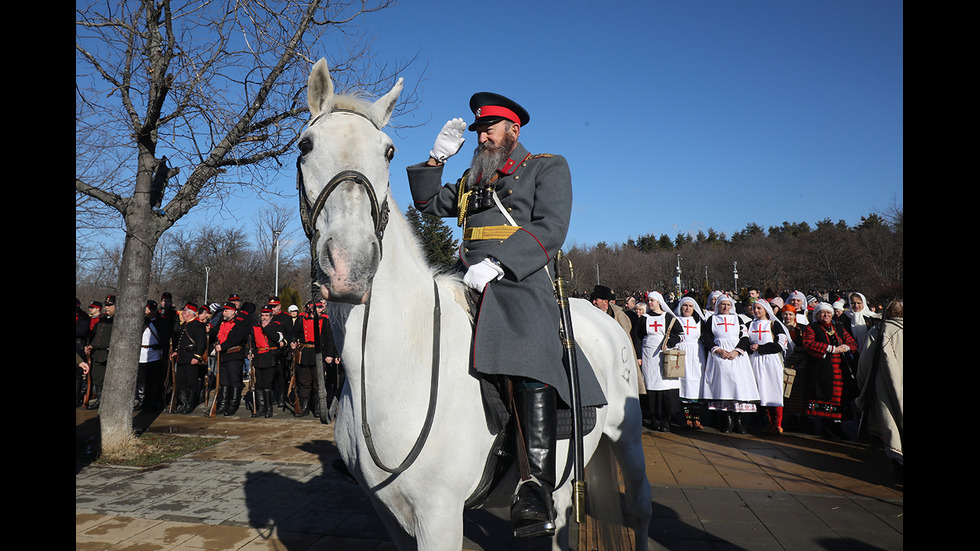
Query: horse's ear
x,y
319,93
386,104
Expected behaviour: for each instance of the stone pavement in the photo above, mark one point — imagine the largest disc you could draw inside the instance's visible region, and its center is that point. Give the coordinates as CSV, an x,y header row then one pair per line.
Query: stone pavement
x,y
269,486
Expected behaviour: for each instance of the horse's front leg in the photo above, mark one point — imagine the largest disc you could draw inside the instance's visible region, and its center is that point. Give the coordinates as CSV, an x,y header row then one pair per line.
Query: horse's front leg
x,y
439,528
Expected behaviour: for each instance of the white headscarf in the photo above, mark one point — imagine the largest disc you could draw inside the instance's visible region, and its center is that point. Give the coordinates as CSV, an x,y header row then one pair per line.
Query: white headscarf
x,y
859,320
725,298
697,308
712,299
660,299
767,307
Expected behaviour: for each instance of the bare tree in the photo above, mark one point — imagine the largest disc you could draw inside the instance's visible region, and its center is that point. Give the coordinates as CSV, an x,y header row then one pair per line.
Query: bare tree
x,y
195,101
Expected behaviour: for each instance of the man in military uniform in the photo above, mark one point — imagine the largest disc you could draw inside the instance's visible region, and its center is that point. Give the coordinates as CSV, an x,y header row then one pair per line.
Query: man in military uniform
x,y
515,209
267,338
230,338
283,320
98,349
304,348
190,353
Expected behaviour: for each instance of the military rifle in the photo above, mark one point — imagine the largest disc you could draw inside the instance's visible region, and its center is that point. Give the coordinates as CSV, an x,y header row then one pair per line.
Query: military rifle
x,y
251,372
172,378
88,381
213,408
291,389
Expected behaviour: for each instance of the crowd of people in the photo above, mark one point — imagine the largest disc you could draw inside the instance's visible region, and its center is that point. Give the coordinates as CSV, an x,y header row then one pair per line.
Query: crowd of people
x,y
814,360
216,355
789,358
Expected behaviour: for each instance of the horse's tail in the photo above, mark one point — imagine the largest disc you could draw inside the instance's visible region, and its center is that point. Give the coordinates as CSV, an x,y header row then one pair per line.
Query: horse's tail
x,y
604,526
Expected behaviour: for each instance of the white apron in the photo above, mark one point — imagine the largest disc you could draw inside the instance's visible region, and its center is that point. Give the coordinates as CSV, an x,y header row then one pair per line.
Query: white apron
x,y
693,358
650,349
767,368
728,379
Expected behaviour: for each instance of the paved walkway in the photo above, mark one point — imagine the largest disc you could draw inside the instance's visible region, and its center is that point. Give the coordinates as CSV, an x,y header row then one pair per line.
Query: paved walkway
x,y
269,486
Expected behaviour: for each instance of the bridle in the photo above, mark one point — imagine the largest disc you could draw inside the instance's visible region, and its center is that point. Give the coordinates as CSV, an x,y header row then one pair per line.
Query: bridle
x,y
309,212
379,214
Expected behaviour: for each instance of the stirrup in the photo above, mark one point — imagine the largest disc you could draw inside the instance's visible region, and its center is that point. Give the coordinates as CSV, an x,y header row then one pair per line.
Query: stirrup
x,y
531,524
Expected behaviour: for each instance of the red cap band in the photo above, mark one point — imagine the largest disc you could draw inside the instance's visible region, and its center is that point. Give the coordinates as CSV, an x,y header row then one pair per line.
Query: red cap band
x,y
497,111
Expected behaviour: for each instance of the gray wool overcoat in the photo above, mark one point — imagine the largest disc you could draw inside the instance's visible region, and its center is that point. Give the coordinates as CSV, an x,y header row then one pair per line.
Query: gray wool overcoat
x,y
517,325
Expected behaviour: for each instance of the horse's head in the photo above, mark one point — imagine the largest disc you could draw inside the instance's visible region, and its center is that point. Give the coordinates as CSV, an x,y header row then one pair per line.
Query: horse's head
x,y
342,176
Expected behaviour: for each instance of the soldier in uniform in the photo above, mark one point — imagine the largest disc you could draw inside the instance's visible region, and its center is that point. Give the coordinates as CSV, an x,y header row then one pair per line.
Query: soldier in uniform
x,y
190,354
230,338
98,349
267,338
310,324
283,320
515,208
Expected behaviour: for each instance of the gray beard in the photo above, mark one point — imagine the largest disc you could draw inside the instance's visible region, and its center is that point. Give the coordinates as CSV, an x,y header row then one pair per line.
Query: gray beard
x,y
486,160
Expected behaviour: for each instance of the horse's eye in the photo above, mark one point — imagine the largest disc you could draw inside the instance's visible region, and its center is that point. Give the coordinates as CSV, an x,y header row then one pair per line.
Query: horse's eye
x,y
390,154
305,146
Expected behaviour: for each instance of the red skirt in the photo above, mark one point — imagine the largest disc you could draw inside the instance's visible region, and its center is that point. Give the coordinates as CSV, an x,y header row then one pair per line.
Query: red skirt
x,y
833,408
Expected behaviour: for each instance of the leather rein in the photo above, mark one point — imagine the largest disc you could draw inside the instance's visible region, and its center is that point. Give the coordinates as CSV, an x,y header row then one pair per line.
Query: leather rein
x,y
379,214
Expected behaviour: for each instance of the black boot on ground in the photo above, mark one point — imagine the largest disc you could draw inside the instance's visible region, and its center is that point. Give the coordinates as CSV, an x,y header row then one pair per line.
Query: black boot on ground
x,y
234,401
224,400
260,403
532,511
187,404
727,423
267,412
737,425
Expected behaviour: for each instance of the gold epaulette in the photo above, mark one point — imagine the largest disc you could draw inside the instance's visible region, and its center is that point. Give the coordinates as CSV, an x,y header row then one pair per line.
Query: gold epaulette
x,y
489,232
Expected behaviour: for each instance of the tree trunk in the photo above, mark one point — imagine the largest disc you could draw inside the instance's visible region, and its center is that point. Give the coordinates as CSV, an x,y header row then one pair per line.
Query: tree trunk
x,y
116,408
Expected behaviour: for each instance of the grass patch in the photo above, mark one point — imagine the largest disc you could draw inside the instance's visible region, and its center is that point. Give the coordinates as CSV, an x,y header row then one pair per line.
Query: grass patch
x,y
150,449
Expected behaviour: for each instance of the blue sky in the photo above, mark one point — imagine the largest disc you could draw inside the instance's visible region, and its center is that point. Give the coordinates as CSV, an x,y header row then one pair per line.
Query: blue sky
x,y
675,116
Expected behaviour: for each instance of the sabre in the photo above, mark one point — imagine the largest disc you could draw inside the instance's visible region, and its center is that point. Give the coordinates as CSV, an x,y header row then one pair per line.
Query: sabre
x,y
568,341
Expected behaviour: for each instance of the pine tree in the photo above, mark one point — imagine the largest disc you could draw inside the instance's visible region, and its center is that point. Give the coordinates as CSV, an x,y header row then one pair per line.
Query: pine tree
x,y
438,243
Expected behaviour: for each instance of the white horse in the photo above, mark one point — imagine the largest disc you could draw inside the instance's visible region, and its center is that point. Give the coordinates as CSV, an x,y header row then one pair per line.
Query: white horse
x,y
418,450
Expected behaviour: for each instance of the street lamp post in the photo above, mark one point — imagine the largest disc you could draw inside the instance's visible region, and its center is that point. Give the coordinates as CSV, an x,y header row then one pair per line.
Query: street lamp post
x,y
276,240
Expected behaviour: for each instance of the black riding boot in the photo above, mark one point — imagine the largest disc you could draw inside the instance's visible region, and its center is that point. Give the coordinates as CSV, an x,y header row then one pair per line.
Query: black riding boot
x,y
260,403
737,423
224,400
268,402
304,407
727,423
532,511
185,398
234,401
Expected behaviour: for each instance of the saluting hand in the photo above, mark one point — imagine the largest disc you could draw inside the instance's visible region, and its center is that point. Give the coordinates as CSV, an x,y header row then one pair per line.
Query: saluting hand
x,y
449,140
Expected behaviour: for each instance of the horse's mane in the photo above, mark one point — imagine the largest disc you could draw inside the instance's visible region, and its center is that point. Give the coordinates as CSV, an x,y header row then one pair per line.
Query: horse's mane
x,y
358,102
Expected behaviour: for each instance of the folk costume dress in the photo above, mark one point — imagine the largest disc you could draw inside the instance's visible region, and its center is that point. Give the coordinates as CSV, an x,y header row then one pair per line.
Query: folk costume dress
x,y
663,393
824,380
729,384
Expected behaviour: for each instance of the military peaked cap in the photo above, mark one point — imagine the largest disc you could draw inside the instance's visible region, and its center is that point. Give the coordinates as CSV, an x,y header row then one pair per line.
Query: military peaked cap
x,y
490,108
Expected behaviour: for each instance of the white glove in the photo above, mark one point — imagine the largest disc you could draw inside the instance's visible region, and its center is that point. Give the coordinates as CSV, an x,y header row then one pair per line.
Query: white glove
x,y
449,140
478,275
